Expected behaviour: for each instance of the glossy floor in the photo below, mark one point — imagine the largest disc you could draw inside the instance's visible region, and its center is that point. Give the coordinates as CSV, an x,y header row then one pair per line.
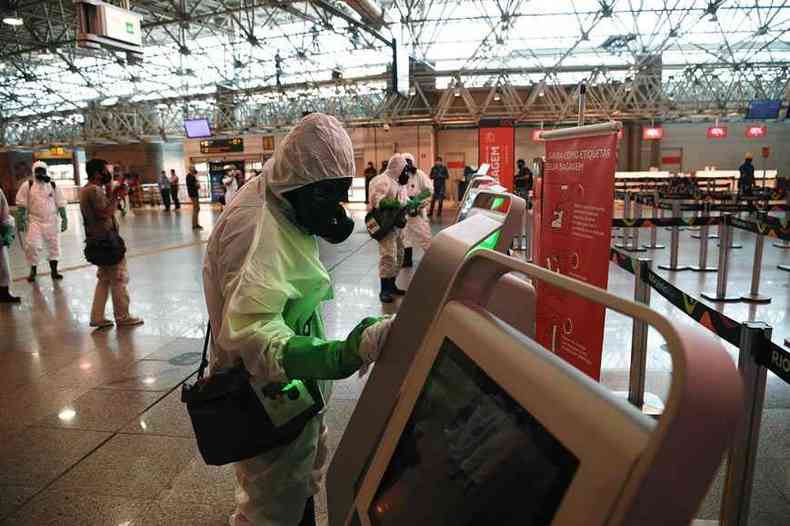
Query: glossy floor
x,y
93,432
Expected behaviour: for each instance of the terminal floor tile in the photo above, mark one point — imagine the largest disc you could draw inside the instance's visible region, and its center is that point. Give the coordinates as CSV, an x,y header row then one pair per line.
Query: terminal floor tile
x,y
93,431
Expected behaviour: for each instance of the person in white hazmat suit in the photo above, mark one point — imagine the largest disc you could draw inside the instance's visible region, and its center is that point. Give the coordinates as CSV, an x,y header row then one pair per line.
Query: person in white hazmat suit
x,y
39,202
7,234
386,186
230,182
417,232
264,283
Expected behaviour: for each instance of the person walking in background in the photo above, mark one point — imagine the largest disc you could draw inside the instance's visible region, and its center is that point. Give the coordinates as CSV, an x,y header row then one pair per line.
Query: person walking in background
x,y
439,176
194,196
370,173
98,212
39,202
174,189
746,180
522,182
164,189
6,238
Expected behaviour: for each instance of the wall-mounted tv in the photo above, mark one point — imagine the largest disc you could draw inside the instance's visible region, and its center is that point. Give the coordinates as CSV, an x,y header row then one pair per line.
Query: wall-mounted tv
x,y
197,128
764,109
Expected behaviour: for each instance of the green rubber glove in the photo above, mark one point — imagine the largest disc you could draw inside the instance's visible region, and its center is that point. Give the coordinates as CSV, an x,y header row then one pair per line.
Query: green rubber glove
x,y
21,218
7,235
64,221
309,358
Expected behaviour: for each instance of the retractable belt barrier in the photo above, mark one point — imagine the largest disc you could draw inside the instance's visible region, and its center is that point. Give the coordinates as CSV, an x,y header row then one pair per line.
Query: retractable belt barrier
x,y
665,221
757,354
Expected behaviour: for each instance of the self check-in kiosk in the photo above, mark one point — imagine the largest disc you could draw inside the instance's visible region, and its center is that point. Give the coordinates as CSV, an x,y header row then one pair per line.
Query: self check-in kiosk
x,y
466,420
506,208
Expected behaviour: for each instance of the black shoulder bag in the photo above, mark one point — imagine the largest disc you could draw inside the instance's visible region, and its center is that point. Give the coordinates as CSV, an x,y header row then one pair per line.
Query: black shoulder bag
x,y
235,419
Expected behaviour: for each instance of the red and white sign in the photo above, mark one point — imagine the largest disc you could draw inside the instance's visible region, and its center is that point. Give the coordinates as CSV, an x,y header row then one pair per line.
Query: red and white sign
x,y
497,147
574,237
717,132
756,132
536,135
652,134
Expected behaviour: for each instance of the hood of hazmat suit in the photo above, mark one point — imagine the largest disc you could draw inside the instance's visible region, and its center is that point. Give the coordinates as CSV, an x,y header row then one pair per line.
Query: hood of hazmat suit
x,y
385,185
263,282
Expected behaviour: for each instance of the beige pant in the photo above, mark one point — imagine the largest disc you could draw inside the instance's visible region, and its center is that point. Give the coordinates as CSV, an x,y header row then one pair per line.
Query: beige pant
x,y
112,280
390,254
195,211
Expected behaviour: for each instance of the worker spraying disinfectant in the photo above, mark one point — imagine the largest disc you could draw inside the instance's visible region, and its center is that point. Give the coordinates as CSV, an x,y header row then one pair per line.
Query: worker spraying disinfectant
x,y
39,203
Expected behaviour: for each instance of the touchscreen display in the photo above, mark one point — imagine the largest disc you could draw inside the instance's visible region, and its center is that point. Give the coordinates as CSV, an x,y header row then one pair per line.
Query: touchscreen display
x,y
471,455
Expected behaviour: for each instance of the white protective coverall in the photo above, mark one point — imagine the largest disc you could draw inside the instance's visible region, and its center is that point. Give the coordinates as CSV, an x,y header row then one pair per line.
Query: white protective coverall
x,y
262,278
231,183
6,219
418,230
41,201
385,185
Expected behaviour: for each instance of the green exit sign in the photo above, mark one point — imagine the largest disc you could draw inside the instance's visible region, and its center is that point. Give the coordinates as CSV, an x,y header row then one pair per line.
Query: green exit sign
x,y
130,28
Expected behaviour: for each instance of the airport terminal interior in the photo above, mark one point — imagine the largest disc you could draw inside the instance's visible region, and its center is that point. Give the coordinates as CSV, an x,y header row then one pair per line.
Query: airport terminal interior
x,y
456,262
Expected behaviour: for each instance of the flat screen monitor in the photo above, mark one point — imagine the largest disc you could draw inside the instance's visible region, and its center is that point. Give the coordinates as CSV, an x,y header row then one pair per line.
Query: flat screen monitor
x,y
492,429
470,455
197,128
764,109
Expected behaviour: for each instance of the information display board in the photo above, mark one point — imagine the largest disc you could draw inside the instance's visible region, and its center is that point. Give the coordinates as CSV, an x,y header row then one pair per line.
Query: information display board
x,y
234,145
575,228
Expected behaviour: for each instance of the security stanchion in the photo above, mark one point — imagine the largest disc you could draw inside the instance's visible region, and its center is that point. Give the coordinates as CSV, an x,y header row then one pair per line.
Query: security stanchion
x,y
706,213
674,243
743,453
633,246
754,295
648,403
653,230
625,232
703,252
721,280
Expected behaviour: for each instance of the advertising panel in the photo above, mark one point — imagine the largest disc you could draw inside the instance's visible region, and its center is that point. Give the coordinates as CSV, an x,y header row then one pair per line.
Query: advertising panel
x,y
574,238
497,147
756,132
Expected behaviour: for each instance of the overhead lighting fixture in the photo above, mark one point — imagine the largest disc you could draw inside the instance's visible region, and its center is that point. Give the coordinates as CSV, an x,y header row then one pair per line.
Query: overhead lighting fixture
x,y
457,92
13,21
497,98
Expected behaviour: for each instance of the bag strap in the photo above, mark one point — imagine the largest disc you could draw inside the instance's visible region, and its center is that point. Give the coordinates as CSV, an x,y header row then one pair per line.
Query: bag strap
x,y
204,361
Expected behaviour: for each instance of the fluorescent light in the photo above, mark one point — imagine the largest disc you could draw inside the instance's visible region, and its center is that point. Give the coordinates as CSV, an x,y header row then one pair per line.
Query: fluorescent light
x,y
67,414
13,21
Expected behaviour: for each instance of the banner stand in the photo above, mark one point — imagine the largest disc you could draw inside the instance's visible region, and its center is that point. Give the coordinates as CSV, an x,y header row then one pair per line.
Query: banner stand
x,y
574,239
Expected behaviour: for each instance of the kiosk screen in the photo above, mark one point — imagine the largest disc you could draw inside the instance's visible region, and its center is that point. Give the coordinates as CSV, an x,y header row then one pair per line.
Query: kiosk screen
x,y
471,455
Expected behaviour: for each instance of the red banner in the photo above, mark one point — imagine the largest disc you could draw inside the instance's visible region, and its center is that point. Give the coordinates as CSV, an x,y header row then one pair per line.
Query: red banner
x,y
497,147
574,239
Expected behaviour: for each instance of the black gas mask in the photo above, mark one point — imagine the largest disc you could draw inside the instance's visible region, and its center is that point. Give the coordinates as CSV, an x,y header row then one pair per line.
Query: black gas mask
x,y
408,170
318,210
41,175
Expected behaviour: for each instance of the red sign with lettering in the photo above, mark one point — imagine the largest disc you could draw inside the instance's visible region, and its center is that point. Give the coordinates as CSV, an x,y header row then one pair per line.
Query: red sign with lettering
x,y
652,134
497,147
574,237
717,132
756,132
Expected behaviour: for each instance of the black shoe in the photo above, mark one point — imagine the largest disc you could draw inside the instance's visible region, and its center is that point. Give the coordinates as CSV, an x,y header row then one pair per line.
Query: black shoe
x,y
385,296
6,297
32,277
53,268
197,227
393,288
407,258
